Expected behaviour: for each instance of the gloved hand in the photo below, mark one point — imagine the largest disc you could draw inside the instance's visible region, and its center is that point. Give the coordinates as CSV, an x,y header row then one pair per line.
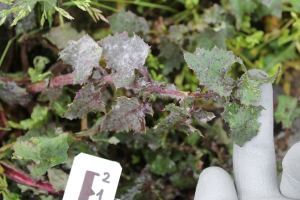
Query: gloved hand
x,y
254,165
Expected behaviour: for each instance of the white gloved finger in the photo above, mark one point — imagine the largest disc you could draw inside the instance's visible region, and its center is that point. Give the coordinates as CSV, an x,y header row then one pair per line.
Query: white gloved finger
x,y
215,184
290,181
254,164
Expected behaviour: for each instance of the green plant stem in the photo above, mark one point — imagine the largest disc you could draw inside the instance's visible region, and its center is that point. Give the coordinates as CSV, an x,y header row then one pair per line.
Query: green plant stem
x,y
6,49
6,147
5,186
145,4
85,133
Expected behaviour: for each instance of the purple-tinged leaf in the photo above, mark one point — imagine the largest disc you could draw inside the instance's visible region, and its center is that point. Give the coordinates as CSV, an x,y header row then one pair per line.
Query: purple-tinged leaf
x,y
86,100
124,55
83,55
179,119
211,68
12,94
127,115
129,22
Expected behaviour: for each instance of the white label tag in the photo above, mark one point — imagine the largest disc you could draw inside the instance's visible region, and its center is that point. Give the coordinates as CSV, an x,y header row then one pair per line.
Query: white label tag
x,y
92,178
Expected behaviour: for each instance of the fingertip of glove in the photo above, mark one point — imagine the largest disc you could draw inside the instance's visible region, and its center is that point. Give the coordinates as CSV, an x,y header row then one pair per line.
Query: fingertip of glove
x,y
215,184
290,180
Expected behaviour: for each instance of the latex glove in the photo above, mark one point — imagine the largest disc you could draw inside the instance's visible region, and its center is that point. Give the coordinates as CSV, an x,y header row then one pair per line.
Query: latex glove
x,y
254,165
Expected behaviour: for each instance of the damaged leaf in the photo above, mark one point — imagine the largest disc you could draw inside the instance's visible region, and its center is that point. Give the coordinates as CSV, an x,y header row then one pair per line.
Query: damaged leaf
x,y
86,100
211,68
242,120
179,119
127,115
249,92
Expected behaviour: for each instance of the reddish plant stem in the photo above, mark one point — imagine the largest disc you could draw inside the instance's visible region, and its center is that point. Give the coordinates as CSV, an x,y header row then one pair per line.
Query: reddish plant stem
x,y
145,74
69,79
55,82
15,174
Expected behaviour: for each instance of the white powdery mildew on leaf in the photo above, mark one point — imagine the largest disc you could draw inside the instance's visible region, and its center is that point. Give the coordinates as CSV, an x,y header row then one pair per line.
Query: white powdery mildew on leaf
x,y
211,68
127,115
203,116
12,94
86,100
124,55
83,55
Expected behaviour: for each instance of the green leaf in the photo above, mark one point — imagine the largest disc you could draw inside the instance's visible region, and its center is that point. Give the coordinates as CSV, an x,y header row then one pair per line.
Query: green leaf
x,y
242,120
163,165
39,114
129,22
214,16
36,74
60,36
35,191
45,152
124,55
171,54
12,94
287,110
179,119
57,178
268,7
48,10
127,115
86,100
63,12
211,68
83,55
210,38
248,91
240,7
113,140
